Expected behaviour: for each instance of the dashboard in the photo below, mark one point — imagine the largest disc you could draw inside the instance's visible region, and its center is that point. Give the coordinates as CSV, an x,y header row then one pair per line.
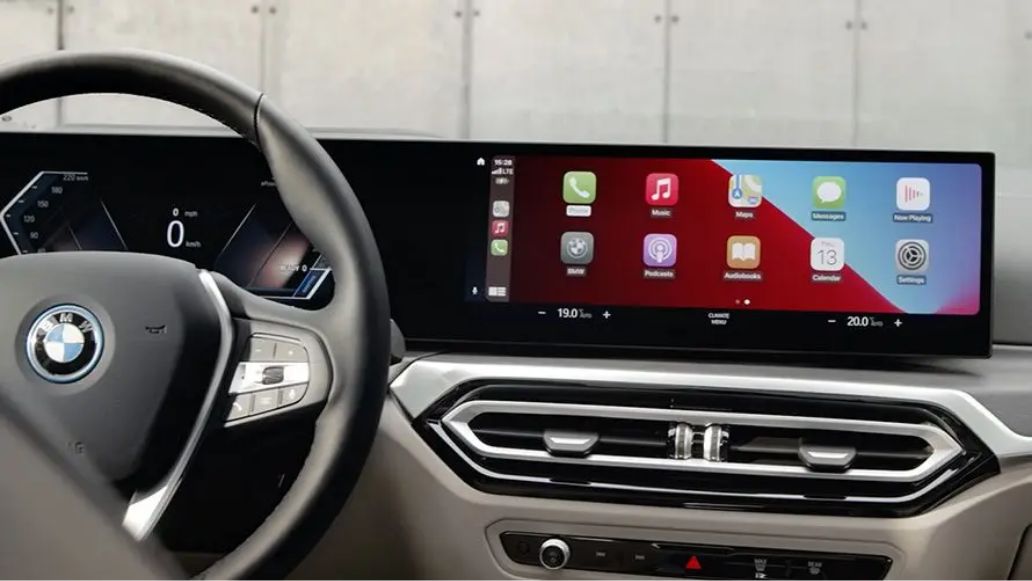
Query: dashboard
x,y
490,244
697,465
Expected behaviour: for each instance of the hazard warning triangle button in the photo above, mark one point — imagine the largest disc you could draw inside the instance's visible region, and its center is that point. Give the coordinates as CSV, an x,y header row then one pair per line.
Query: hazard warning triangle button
x,y
693,564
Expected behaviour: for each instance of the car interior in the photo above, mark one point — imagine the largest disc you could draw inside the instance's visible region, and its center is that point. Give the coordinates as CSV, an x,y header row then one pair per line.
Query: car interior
x,y
499,289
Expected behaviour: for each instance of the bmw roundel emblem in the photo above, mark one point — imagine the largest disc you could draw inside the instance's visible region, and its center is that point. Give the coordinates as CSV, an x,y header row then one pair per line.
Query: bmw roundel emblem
x,y
64,343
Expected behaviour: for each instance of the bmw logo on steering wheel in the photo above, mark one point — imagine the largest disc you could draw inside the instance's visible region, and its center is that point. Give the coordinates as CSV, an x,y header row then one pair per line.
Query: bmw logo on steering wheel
x,y
64,343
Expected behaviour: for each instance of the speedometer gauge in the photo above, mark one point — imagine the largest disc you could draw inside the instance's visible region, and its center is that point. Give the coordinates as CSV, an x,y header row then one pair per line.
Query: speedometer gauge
x,y
244,234
58,211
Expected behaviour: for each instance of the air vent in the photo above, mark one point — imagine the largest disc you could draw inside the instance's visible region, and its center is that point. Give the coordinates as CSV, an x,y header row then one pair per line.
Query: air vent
x,y
827,450
768,450
608,436
635,446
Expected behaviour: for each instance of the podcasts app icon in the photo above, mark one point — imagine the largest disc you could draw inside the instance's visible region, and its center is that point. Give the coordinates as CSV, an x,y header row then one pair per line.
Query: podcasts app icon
x,y
659,250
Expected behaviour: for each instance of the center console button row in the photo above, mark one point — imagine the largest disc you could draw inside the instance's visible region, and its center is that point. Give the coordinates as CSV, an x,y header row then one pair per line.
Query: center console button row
x,y
690,561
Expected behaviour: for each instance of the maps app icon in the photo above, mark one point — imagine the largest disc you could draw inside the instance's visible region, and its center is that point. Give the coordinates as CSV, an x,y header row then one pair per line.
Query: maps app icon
x,y
745,191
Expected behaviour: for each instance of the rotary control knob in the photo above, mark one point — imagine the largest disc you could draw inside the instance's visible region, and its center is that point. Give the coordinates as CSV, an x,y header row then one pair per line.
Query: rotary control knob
x,y
554,554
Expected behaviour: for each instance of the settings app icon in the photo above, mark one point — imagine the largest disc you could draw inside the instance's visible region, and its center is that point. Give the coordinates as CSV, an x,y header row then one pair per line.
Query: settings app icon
x,y
912,256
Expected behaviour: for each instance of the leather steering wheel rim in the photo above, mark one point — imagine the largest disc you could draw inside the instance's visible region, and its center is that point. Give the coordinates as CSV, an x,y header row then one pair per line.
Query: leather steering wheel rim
x,y
325,209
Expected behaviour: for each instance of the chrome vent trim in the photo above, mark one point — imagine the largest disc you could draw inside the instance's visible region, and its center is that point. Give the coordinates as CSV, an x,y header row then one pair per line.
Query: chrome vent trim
x,y
944,448
716,495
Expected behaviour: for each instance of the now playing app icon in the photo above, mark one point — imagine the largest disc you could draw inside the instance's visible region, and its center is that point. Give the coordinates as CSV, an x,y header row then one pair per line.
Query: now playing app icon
x,y
659,250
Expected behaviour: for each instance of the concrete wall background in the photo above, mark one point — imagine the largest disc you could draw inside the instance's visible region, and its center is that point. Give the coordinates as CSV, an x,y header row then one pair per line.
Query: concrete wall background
x,y
945,74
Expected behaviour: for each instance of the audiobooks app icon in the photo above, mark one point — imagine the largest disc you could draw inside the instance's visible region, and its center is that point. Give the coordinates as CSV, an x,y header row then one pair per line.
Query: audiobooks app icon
x,y
743,252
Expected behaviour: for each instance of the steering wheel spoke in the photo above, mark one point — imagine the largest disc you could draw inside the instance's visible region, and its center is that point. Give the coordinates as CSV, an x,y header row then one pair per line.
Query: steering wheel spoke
x,y
266,368
146,507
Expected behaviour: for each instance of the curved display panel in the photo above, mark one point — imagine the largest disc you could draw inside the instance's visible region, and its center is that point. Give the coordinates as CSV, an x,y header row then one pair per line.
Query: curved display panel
x,y
489,244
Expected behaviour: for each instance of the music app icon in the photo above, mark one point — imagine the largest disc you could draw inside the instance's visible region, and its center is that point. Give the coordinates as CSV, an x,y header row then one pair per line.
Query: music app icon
x,y
661,189
500,228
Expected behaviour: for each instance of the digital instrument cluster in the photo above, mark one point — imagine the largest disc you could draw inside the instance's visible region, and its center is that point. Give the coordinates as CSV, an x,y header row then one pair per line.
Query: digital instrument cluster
x,y
246,235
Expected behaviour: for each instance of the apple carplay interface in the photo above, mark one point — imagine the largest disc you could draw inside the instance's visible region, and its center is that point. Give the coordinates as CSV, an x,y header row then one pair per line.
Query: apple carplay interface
x,y
878,254
590,246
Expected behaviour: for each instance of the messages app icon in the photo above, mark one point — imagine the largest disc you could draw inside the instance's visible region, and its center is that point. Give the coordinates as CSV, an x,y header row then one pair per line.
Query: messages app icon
x,y
579,187
829,192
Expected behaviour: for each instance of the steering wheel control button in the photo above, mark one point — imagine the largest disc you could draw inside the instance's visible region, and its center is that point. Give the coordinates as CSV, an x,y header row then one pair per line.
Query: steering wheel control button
x,y
265,401
64,343
290,352
240,407
259,349
554,554
290,395
258,376
272,375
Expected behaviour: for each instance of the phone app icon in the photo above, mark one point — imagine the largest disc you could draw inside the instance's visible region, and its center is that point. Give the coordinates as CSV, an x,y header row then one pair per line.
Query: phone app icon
x,y
659,250
745,191
499,247
829,192
743,252
661,189
500,209
913,194
577,247
579,187
827,254
499,227
911,256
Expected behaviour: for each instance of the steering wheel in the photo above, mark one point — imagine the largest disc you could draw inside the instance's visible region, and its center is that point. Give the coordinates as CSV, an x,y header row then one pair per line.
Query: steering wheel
x,y
139,356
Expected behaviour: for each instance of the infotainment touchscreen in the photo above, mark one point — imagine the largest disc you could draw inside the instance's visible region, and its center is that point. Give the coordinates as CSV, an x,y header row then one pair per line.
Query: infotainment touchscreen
x,y
846,237
771,250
